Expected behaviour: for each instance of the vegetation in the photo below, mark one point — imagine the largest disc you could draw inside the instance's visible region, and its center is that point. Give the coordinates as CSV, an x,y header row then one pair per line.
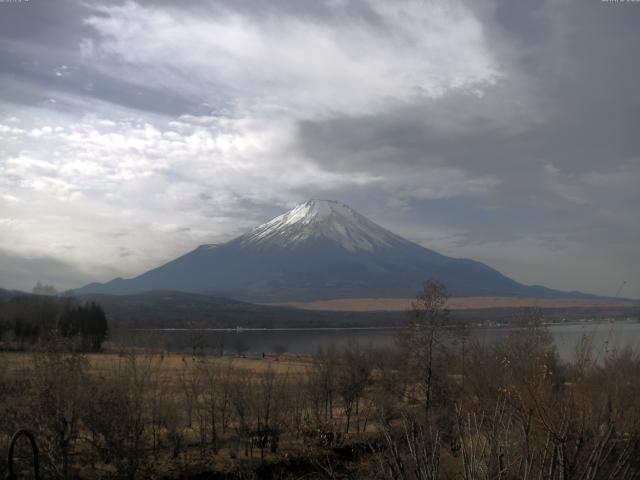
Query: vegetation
x,y
27,319
439,405
44,289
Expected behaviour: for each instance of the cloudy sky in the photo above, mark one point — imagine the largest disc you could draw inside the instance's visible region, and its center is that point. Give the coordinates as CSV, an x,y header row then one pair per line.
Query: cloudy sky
x,y
505,131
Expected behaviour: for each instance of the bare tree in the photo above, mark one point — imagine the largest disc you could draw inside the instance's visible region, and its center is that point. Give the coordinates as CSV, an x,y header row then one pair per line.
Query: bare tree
x,y
242,404
269,410
423,336
190,382
214,400
116,413
353,377
321,386
58,377
408,453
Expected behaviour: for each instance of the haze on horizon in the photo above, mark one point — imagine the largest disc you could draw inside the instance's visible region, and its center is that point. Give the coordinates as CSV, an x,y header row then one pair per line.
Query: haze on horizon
x,y
506,132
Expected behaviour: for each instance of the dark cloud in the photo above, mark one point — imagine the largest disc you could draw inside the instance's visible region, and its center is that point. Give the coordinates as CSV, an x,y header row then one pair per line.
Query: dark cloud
x,y
481,134
321,10
568,102
577,106
41,57
34,79
56,25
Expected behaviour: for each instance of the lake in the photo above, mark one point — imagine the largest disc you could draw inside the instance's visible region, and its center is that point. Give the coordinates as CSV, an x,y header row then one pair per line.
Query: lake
x,y
607,336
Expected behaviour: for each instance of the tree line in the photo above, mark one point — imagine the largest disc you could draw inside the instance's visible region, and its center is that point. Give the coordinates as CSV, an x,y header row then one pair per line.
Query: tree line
x,y
27,319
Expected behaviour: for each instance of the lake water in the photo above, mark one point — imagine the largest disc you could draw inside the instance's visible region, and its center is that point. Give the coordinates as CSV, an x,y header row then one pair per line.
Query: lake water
x,y
606,337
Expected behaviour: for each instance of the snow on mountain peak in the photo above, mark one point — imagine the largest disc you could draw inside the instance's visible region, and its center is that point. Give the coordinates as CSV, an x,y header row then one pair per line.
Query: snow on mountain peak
x,y
316,211
321,219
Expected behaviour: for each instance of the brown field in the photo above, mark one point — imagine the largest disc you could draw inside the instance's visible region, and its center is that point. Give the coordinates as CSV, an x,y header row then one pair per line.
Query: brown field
x,y
172,364
174,380
427,404
456,303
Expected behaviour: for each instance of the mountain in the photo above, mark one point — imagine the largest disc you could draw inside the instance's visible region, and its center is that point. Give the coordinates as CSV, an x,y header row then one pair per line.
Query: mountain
x,y
321,249
7,294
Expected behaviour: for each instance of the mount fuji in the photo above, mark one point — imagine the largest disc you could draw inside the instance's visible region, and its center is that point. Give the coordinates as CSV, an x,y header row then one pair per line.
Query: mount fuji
x,y
321,249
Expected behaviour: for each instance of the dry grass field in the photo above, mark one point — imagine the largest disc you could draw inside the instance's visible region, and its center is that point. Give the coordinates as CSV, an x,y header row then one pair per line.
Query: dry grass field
x,y
454,303
168,396
18,364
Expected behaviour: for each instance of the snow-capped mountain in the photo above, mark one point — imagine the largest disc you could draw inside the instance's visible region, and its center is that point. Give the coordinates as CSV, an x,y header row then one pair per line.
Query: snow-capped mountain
x,y
321,219
321,249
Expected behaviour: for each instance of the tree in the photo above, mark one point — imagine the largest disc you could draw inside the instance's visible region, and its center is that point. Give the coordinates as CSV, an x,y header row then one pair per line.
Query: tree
x,y
87,321
321,385
270,406
422,336
95,329
57,388
353,377
44,289
117,413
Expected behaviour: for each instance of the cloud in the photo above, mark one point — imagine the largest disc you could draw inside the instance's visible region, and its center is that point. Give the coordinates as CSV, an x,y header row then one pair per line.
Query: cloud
x,y
133,131
23,272
294,63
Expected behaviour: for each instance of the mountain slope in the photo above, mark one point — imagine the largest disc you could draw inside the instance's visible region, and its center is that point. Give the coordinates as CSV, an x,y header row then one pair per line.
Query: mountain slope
x,y
319,250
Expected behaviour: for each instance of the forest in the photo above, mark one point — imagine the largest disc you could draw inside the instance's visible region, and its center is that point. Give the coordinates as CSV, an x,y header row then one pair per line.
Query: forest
x,y
28,319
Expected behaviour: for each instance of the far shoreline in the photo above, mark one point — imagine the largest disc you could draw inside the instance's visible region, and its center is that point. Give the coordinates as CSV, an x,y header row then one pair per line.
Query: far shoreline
x,y
454,303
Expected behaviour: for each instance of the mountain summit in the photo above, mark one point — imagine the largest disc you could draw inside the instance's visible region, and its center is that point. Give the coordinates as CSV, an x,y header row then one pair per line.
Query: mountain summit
x,y
321,249
321,220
